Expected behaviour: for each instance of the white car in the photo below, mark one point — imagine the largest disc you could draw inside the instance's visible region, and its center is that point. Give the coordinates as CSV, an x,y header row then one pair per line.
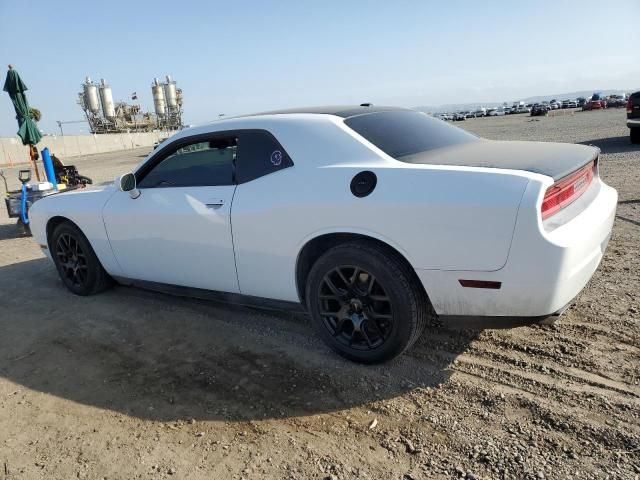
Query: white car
x,y
373,218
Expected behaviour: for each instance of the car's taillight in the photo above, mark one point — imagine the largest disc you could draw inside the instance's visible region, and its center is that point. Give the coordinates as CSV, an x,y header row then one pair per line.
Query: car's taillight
x,y
568,189
629,106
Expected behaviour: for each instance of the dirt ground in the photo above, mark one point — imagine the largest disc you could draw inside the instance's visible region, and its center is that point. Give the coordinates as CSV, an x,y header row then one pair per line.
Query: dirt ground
x,y
132,384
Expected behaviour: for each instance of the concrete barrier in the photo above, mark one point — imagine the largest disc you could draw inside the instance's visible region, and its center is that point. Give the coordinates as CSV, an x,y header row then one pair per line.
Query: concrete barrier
x,y
12,152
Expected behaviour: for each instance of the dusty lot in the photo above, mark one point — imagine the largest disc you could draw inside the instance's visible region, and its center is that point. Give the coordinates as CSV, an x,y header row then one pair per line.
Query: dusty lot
x,y
132,384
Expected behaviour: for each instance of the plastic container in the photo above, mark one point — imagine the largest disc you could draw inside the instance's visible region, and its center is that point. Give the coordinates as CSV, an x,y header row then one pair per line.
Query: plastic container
x,y
41,186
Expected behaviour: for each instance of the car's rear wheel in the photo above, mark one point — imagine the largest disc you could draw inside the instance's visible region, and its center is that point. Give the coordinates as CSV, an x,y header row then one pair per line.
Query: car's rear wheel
x,y
365,302
76,262
634,135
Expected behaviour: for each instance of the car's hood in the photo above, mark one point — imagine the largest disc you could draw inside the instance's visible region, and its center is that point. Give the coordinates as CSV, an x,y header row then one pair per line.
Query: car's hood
x,y
90,190
556,160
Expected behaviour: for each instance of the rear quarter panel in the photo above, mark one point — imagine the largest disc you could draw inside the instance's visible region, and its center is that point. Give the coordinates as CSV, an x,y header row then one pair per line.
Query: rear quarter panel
x,y
445,218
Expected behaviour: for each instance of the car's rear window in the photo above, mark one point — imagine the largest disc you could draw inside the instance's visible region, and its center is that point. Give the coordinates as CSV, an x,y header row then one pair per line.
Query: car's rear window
x,y
403,133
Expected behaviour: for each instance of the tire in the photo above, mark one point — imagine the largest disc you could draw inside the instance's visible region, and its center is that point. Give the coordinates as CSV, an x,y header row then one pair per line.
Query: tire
x,y
76,262
365,302
634,135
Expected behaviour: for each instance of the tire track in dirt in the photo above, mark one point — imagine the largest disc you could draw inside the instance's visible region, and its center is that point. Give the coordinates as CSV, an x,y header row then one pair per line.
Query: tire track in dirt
x,y
522,363
554,381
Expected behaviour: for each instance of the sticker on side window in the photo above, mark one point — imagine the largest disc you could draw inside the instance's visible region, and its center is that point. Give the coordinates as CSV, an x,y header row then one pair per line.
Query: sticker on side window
x,y
276,157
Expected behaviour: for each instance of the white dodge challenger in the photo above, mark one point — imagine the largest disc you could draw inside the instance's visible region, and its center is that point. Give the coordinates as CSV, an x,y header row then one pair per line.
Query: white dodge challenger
x,y
372,218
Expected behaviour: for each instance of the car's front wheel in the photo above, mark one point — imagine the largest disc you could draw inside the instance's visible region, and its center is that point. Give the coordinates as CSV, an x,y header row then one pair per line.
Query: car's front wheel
x,y
365,302
634,135
76,262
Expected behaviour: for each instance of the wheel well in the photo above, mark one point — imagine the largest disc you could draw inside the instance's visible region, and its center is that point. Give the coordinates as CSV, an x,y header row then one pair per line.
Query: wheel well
x,y
53,223
316,247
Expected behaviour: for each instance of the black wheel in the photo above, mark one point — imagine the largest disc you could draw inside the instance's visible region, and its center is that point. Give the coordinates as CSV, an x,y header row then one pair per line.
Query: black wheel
x,y
634,135
77,264
365,302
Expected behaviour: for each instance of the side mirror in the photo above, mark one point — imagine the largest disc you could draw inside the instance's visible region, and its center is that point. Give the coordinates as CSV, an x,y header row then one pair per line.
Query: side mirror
x,y
127,183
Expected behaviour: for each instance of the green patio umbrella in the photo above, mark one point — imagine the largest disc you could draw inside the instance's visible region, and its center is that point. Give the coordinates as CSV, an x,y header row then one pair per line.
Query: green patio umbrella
x,y
15,87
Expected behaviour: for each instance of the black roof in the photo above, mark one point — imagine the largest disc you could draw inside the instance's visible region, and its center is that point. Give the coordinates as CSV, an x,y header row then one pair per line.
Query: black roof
x,y
343,111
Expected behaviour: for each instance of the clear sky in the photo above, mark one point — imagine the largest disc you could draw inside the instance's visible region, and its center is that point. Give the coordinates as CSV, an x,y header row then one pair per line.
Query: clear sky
x,y
242,56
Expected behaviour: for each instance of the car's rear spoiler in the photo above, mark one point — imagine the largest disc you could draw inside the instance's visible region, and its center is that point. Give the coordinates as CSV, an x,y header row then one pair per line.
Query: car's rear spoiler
x,y
556,160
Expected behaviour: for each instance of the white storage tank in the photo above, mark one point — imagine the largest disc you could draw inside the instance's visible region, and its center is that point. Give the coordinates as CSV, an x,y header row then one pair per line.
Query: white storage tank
x,y
157,90
91,99
106,96
170,93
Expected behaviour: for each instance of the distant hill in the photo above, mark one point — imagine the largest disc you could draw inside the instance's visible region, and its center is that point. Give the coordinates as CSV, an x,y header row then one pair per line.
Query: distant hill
x,y
455,107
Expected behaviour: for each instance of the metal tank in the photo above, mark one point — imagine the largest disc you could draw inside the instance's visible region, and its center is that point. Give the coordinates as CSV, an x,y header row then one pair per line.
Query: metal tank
x,y
170,94
91,100
157,90
106,96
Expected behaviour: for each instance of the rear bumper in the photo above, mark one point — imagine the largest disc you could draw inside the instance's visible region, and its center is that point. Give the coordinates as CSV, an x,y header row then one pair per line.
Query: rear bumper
x,y
544,271
633,122
496,321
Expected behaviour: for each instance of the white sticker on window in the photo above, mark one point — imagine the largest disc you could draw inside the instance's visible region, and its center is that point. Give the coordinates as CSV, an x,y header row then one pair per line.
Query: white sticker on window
x,y
276,157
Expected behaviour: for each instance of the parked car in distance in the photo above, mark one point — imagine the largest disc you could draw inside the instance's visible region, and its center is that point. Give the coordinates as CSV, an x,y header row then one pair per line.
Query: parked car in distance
x,y
616,101
458,117
572,104
481,113
495,112
539,109
596,102
581,101
301,208
554,105
633,117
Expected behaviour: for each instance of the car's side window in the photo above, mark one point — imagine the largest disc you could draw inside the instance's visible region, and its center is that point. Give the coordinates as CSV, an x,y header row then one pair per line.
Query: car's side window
x,y
259,154
197,164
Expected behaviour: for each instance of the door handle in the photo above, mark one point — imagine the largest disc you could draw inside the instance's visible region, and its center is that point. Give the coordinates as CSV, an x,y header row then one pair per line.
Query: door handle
x,y
217,203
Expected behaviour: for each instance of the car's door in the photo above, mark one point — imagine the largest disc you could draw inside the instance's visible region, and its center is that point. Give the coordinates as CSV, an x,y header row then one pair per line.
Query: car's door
x,y
178,230
263,217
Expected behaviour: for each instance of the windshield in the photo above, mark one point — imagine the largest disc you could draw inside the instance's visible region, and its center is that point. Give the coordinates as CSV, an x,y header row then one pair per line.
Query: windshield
x,y
407,132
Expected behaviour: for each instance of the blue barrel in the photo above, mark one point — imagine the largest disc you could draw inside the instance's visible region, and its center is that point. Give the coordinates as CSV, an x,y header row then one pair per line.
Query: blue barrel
x,y
48,167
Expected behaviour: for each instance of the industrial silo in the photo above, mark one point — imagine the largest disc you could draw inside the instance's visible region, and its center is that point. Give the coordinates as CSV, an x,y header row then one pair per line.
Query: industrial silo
x,y
91,100
106,96
170,94
157,90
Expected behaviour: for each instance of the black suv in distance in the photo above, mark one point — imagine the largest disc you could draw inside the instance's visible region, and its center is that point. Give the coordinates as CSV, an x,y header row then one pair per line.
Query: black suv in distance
x,y
539,109
633,117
